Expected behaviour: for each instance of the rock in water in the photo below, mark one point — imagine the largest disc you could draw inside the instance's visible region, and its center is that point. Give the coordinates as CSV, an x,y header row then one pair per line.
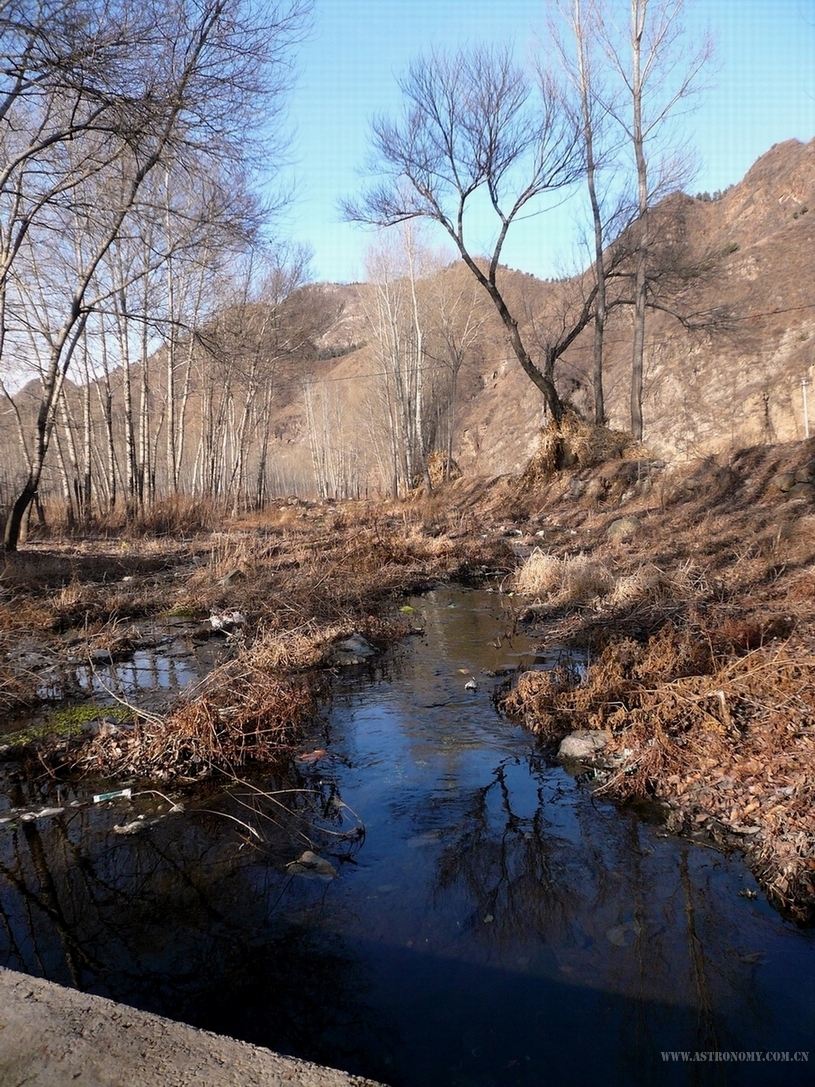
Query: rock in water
x,y
136,827
310,864
353,650
584,744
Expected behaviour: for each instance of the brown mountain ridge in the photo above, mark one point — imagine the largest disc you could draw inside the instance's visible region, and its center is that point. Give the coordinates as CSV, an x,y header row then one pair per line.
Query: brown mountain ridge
x,y
705,390
323,422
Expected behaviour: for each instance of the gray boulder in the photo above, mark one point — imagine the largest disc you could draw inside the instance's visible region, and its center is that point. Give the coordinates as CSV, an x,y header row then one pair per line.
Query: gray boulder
x,y
584,745
353,650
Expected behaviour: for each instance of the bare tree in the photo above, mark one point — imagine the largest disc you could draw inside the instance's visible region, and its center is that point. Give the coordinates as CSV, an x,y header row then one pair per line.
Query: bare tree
x,y
397,312
395,359
458,324
610,211
475,130
258,330
658,71
105,88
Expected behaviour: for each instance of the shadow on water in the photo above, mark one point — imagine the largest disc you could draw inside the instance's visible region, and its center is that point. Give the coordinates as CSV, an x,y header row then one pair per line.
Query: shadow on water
x,y
497,924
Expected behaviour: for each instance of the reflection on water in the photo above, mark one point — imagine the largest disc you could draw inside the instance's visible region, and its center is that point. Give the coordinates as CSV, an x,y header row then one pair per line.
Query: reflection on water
x,y
173,655
154,663
496,925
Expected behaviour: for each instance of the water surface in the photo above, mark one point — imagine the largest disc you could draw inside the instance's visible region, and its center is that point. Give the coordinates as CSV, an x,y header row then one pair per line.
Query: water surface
x,y
496,923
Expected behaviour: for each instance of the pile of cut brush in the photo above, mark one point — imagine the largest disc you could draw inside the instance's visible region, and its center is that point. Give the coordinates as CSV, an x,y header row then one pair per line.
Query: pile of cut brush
x,y
576,443
242,712
725,742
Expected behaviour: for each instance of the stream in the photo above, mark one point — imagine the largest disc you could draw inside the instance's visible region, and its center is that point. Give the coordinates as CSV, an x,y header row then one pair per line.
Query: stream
x,y
479,918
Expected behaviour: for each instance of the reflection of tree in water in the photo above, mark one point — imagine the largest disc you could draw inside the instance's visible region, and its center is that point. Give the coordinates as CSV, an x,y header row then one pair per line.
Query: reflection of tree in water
x,y
584,884
184,920
514,866
24,940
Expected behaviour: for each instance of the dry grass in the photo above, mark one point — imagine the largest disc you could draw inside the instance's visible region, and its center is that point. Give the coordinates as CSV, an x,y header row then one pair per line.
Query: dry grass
x,y
704,666
244,711
255,707
567,581
576,443
645,585
702,625
177,517
726,743
306,577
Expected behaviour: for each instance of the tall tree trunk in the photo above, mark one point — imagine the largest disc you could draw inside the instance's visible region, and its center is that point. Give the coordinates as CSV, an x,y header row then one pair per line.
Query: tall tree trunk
x,y
172,455
181,413
70,470
53,379
87,440
105,394
143,472
639,9
587,109
418,362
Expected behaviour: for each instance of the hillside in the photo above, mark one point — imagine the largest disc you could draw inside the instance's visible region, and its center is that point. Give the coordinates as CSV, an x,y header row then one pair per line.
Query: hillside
x,y
705,390
307,397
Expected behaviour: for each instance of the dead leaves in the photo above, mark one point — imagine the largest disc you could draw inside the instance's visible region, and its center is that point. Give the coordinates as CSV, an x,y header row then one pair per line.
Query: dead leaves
x,y
727,744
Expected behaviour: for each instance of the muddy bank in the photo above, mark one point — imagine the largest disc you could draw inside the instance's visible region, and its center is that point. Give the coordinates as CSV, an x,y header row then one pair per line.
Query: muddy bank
x,y
53,1036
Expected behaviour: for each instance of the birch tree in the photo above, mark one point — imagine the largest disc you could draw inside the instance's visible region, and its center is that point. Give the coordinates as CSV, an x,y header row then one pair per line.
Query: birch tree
x,y
659,71
98,88
458,323
246,347
576,38
397,311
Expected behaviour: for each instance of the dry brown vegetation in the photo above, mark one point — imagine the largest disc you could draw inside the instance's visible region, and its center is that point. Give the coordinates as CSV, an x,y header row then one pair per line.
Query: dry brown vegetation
x,y
303,577
701,621
699,618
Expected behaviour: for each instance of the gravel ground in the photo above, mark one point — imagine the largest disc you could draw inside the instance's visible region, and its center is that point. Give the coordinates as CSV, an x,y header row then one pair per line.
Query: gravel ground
x,y
56,1037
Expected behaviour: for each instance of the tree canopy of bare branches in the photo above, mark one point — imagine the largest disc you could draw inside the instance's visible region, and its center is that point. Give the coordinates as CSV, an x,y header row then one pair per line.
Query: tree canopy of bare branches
x,y
658,70
475,133
95,96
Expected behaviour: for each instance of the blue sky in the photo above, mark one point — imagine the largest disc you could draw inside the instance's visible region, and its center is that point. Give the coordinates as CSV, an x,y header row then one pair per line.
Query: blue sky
x,y
762,91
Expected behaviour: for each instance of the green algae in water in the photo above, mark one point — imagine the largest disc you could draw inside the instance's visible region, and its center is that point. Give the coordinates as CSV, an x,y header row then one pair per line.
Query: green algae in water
x,y
67,721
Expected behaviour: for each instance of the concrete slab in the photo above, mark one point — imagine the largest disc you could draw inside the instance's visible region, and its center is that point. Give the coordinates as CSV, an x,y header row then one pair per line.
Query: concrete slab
x,y
56,1037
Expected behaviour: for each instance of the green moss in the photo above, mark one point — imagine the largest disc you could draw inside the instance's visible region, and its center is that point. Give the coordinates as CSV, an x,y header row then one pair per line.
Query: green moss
x,y
66,721
180,612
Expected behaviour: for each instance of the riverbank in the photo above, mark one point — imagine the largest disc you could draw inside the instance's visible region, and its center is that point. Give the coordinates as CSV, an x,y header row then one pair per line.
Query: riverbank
x,y
51,1036
692,588
694,591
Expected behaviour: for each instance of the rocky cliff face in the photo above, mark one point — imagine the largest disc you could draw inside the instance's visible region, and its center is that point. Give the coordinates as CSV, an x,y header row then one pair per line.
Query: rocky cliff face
x,y
742,384
705,390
